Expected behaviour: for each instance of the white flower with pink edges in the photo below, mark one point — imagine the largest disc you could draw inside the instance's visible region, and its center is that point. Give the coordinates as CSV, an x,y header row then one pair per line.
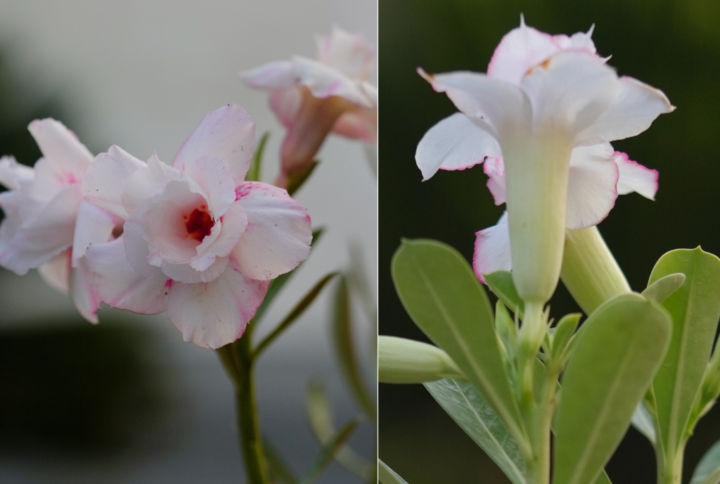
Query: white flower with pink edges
x,y
199,241
313,97
542,120
47,224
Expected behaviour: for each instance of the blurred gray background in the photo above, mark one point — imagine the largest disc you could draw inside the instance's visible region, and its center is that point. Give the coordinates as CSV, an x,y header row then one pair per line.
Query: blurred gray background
x,y
127,401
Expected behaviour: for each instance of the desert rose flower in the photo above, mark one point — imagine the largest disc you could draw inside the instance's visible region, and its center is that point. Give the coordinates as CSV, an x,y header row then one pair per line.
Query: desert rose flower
x,y
199,241
543,97
47,224
313,97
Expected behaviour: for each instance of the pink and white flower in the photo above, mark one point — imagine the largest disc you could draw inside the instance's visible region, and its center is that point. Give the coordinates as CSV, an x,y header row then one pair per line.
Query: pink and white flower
x,y
545,100
313,97
492,245
47,224
199,241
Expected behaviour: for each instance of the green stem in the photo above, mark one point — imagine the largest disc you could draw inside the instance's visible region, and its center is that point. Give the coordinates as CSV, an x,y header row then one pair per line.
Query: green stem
x,y
250,436
670,467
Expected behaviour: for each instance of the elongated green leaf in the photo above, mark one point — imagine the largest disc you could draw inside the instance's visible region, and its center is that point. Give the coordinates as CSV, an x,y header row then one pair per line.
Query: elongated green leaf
x,y
389,476
616,355
444,298
473,414
255,169
661,289
708,470
563,332
502,285
317,407
327,453
694,308
296,312
277,284
643,422
345,350
278,469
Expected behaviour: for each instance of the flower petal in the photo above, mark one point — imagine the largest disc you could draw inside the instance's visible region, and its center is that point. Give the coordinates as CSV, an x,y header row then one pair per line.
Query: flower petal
x,y
570,91
634,177
227,133
214,314
93,225
278,234
13,175
60,146
213,176
325,81
148,182
187,274
455,143
232,226
274,75
84,291
164,223
37,241
492,249
121,286
495,170
360,123
137,250
632,112
348,53
592,185
285,103
524,48
106,177
493,104
56,273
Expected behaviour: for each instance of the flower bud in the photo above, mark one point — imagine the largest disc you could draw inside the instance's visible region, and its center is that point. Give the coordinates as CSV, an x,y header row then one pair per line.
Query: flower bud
x,y
589,270
407,361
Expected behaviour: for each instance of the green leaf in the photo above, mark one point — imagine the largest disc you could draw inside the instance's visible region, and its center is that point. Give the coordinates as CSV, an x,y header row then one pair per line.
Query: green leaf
x,y
661,289
389,476
708,470
327,453
278,469
317,407
296,180
505,327
502,285
563,332
254,171
616,355
603,478
296,312
444,298
477,418
277,284
345,349
644,423
694,309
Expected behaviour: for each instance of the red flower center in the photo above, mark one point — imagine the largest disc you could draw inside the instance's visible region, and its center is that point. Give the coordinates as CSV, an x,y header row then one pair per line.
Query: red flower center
x,y
199,224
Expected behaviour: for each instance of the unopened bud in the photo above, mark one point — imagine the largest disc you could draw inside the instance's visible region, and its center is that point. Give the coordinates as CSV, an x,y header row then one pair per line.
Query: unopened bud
x,y
407,361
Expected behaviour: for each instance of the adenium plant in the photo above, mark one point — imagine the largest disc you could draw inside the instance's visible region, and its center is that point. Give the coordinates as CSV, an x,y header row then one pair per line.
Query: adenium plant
x,y
541,121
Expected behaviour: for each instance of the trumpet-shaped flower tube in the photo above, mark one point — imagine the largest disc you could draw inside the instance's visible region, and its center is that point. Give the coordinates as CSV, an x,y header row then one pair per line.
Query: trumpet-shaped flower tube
x,y
543,100
199,241
313,97
591,184
47,225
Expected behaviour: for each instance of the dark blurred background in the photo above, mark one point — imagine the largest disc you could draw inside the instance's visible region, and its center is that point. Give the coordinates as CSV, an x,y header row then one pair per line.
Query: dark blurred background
x,y
671,45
